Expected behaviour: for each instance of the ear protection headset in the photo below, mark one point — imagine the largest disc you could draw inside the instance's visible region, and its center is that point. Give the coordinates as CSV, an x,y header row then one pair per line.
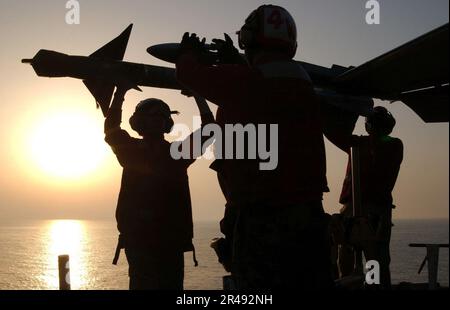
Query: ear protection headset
x,y
380,121
151,106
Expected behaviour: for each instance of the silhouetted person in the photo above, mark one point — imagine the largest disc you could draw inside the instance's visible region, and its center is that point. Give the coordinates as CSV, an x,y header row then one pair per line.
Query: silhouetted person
x,y
153,213
274,220
380,159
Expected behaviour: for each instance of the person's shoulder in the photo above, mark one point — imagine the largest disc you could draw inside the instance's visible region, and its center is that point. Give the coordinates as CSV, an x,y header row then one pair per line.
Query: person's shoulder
x,y
138,141
284,69
117,135
394,141
358,139
130,140
385,139
392,144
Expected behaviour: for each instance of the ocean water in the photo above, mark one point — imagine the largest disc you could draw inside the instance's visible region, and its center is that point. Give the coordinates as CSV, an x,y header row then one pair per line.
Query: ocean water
x,y
29,252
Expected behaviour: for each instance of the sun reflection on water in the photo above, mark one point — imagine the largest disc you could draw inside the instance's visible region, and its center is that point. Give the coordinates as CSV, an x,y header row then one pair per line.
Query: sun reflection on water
x,y
66,237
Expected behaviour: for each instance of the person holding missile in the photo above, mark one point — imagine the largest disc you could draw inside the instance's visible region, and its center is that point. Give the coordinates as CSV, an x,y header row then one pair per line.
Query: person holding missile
x,y
274,220
154,215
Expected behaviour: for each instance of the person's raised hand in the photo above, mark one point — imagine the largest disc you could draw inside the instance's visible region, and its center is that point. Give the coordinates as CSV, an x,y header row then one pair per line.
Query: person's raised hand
x,y
191,42
226,51
124,85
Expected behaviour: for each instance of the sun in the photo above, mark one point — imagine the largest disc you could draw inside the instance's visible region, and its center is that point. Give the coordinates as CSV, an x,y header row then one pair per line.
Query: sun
x,y
67,144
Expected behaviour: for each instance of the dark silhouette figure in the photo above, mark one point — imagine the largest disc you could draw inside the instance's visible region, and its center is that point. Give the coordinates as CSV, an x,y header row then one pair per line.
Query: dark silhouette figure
x,y
153,213
274,223
380,159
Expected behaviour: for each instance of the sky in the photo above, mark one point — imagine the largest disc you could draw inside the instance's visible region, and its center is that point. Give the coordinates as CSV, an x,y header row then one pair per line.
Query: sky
x,y
44,177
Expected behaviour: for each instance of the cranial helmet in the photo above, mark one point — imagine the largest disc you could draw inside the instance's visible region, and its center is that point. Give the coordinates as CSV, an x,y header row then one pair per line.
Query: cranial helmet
x,y
151,106
380,121
269,27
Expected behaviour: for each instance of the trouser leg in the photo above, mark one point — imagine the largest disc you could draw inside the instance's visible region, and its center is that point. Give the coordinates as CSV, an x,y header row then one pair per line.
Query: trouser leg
x,y
153,270
379,250
281,248
346,260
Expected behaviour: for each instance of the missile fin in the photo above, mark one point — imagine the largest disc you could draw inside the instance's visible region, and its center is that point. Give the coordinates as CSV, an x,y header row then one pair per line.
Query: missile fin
x,y
114,50
102,93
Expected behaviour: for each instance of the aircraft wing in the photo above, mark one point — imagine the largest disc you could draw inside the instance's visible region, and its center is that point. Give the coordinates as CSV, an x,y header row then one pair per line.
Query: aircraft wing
x,y
430,104
408,73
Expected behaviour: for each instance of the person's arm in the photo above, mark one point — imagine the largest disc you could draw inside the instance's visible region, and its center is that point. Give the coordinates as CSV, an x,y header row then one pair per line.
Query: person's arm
x,y
114,115
205,112
338,126
114,135
206,118
341,139
129,154
220,84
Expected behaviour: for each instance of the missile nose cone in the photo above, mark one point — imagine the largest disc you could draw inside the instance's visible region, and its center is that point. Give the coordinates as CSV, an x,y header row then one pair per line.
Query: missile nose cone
x,y
158,51
152,50
166,52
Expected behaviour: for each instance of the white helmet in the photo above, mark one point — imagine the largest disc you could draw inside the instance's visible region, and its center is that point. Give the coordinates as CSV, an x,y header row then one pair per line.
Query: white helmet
x,y
269,27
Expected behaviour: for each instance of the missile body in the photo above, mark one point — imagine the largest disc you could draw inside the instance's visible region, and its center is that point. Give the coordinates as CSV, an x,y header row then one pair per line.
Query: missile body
x,y
53,64
321,76
103,70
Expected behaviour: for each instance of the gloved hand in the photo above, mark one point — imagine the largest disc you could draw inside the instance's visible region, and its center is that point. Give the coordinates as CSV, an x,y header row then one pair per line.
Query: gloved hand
x,y
124,85
192,43
226,52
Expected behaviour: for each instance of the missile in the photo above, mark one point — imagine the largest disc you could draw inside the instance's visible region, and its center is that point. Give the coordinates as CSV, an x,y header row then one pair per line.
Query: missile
x,y
348,88
103,70
322,78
